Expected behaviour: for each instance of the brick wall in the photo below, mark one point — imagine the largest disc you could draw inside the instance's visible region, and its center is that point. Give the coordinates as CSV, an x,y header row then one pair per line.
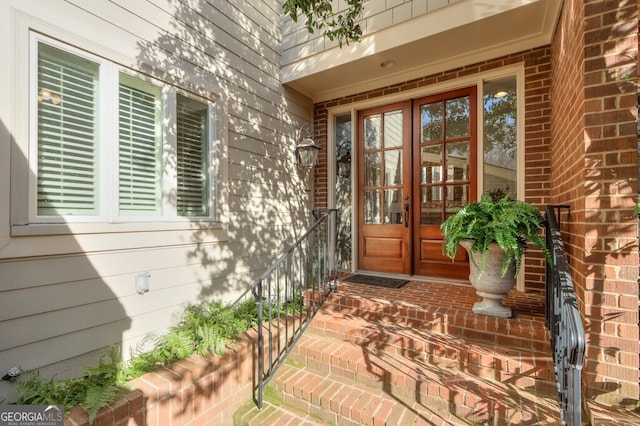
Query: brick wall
x,y
595,171
536,139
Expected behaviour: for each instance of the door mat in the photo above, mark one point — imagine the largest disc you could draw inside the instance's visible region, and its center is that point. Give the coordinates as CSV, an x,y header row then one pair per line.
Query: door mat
x,y
379,281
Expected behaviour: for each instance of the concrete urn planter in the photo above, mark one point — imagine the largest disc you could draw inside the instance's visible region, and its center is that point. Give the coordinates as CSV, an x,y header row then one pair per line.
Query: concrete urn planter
x,y
489,282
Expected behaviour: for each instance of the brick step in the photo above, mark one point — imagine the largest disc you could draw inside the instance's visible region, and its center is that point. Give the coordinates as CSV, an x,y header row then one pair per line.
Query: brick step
x,y
477,394
345,403
522,332
274,413
523,368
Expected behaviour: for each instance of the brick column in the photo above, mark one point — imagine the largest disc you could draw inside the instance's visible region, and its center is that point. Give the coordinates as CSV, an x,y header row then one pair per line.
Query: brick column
x,y
595,171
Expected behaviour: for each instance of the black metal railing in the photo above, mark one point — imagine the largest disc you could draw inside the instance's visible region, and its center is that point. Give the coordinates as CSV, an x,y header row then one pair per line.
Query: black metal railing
x,y
290,293
564,323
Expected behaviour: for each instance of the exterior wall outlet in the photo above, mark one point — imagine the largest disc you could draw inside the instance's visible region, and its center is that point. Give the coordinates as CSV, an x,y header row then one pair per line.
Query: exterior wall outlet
x,y
142,282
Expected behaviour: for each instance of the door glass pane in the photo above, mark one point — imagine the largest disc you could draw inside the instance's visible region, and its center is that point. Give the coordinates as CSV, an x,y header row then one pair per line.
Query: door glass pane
x,y
457,161
457,197
343,190
393,206
431,117
372,169
431,205
372,204
500,138
393,167
372,134
392,129
431,164
457,121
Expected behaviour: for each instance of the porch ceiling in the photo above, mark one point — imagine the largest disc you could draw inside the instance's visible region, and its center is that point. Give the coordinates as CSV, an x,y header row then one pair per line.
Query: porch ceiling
x,y
460,34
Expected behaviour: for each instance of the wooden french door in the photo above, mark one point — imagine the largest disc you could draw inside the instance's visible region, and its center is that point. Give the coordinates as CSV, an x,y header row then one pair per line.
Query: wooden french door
x,y
384,189
444,175
417,165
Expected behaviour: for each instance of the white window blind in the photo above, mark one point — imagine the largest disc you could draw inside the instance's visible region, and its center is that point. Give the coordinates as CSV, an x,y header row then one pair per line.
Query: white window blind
x,y
67,134
114,145
192,157
140,172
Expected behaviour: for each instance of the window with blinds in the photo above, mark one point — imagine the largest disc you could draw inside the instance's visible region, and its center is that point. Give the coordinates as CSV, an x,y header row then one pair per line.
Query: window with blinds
x,y
192,157
67,134
139,151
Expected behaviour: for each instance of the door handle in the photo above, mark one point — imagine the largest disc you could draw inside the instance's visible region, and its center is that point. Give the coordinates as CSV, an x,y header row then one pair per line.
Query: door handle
x,y
406,214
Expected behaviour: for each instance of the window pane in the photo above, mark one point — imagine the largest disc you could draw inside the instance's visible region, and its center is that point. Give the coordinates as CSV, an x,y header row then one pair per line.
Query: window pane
x,y
372,136
392,129
431,164
372,201
193,157
500,138
67,134
140,167
393,206
457,121
457,197
457,161
431,117
431,205
372,166
393,167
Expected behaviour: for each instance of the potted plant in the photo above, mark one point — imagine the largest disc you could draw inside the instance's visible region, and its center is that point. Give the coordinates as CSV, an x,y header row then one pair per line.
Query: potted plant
x,y
495,233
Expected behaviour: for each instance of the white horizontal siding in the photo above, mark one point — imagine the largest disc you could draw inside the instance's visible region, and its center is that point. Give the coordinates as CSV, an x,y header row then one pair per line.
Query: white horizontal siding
x,y
64,297
298,43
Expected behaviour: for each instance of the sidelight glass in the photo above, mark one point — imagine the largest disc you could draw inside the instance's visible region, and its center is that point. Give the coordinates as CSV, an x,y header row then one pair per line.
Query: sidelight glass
x,y
343,190
500,138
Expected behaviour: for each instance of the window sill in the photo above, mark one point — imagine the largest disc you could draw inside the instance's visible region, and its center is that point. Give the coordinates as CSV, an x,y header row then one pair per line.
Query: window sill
x,y
107,228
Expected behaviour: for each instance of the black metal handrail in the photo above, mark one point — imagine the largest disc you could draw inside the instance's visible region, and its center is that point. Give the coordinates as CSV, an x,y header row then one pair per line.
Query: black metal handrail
x,y
290,292
564,323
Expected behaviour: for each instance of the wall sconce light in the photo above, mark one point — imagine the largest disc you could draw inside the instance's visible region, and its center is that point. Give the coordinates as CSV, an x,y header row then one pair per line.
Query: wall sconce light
x,y
306,151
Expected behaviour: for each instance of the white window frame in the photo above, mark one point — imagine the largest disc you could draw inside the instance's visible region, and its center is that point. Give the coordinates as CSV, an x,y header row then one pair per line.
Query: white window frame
x,y
108,146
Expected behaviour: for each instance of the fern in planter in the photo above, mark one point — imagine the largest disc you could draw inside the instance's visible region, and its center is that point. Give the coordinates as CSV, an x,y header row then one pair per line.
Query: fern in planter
x,y
99,387
510,224
202,328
